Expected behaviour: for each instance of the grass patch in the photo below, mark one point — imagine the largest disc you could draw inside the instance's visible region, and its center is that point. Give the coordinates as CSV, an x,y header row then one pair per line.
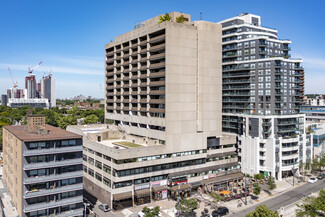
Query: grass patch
x,y
129,144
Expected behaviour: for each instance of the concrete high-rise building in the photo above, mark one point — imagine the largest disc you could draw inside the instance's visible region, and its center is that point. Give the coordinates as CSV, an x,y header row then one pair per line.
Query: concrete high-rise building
x,y
30,85
163,98
263,90
48,90
42,169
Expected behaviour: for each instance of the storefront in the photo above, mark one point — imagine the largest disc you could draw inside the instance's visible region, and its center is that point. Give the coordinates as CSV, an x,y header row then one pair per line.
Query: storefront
x,y
159,190
183,189
221,183
142,194
122,200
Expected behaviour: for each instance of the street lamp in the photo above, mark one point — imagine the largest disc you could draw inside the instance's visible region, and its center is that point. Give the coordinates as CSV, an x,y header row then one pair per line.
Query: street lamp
x,y
85,205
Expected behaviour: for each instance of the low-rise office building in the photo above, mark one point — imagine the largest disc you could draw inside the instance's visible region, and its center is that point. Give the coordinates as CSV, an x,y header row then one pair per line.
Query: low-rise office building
x,y
124,170
42,169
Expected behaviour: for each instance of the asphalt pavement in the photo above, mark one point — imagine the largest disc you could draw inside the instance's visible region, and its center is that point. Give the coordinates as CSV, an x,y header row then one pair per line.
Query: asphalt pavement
x,y
286,198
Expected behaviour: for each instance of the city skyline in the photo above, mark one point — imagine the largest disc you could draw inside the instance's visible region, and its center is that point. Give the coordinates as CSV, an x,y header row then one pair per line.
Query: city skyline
x,y
71,44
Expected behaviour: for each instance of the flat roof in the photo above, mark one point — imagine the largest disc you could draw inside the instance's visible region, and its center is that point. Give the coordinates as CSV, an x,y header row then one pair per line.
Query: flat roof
x,y
55,133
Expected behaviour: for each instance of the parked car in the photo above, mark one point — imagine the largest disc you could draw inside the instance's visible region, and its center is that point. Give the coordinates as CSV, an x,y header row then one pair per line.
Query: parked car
x,y
104,207
321,176
221,211
312,180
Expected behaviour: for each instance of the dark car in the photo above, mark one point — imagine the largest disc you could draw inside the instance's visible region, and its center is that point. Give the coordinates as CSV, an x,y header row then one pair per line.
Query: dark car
x,y
104,207
221,211
321,176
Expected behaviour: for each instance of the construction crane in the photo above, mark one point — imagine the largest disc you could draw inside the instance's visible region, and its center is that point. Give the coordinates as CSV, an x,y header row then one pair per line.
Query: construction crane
x,y
30,70
13,82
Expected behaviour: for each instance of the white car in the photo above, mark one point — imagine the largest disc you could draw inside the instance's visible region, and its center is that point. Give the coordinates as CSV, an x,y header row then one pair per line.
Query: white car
x,y
312,180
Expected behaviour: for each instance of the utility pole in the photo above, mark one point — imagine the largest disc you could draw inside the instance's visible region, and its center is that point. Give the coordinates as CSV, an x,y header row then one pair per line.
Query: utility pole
x,y
293,173
178,200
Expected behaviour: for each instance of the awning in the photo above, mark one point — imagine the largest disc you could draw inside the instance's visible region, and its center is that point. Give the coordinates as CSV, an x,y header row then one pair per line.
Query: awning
x,y
122,196
182,187
222,154
143,192
195,184
223,178
159,188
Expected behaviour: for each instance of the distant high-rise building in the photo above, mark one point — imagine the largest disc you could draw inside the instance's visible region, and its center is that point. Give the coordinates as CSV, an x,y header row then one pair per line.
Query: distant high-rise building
x,y
4,99
48,89
30,85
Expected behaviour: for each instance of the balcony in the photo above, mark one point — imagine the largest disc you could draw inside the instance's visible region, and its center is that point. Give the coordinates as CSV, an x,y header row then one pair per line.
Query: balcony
x,y
44,151
157,65
229,48
157,101
290,156
126,63
157,56
157,38
76,212
143,43
39,179
50,164
143,67
157,47
52,204
157,74
157,110
57,190
110,53
157,83
143,50
156,92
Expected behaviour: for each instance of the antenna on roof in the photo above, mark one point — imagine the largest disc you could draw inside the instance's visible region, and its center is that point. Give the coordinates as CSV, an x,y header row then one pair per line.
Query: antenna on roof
x,y
200,15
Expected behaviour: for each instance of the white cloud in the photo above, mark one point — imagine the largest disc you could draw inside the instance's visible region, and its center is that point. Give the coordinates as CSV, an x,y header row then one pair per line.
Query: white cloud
x,y
56,69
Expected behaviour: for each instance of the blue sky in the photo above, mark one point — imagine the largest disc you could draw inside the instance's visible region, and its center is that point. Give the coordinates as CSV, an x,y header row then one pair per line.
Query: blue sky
x,y
69,36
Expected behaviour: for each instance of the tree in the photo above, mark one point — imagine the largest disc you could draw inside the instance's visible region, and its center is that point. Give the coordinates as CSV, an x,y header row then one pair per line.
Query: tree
x,y
315,164
151,212
271,182
262,210
312,206
90,119
64,121
187,205
180,19
259,176
164,18
257,189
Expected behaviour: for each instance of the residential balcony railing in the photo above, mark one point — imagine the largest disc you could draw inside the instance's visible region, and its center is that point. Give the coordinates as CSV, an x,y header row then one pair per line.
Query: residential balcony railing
x,y
71,213
53,204
229,48
40,179
44,151
236,94
56,190
52,164
157,47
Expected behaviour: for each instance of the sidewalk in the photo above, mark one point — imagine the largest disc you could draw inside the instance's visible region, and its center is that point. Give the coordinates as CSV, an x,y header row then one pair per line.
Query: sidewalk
x,y
167,207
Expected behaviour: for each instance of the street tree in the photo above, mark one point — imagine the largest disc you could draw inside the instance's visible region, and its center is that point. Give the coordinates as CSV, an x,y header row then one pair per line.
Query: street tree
x,y
187,205
271,182
151,212
312,206
257,189
261,211
91,119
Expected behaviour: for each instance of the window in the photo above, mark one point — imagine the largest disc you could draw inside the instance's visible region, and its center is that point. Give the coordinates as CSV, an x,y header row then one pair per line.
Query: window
x,y
91,172
98,177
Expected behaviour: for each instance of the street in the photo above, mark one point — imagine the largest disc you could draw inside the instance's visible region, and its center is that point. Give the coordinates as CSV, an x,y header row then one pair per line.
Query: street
x,y
286,198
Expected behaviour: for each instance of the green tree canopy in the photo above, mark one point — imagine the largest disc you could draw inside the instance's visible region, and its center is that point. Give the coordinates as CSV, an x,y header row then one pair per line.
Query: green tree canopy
x,y
187,205
312,206
91,119
257,189
262,211
151,212
180,19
